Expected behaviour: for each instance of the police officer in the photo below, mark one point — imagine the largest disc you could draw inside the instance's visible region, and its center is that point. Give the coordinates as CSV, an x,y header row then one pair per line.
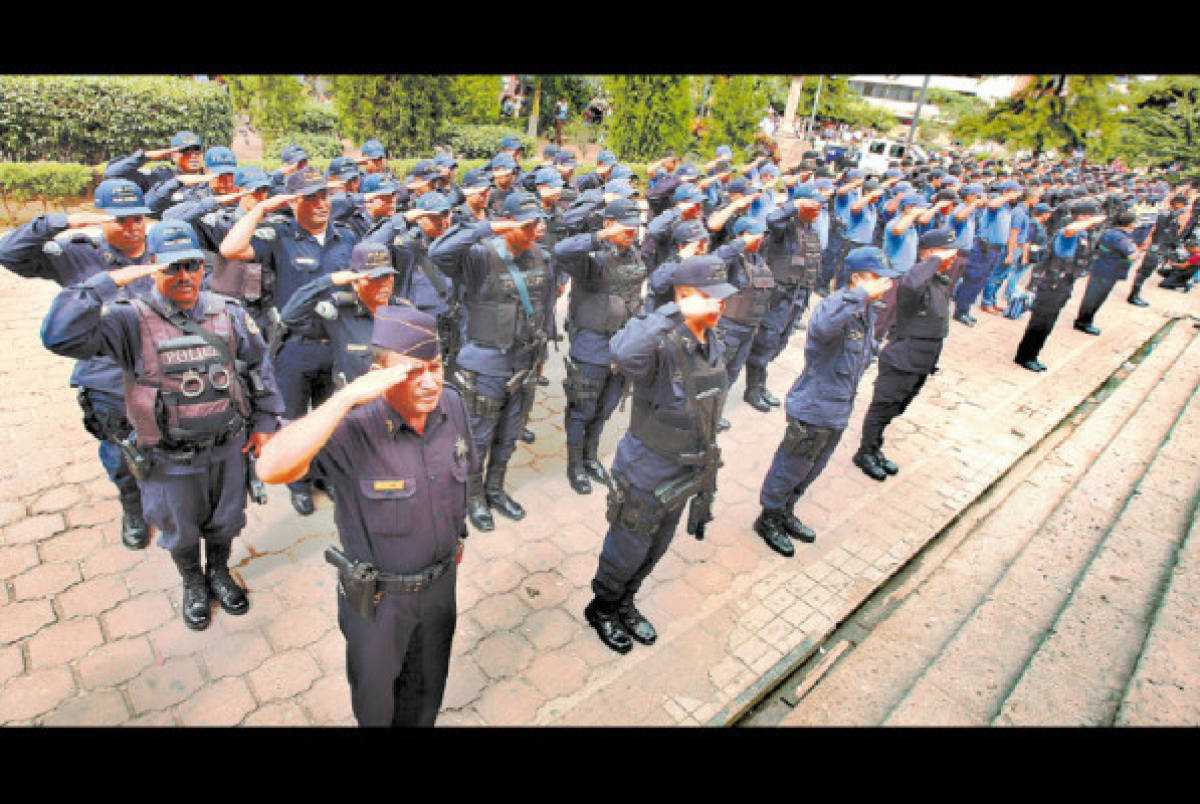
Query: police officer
x,y
220,166
735,202
57,247
475,189
292,159
1054,279
199,393
1032,251
508,292
657,245
395,445
605,162
839,348
504,169
844,195
324,311
606,291
378,195
444,183
418,279
746,309
794,257
993,229
374,157
914,344
669,454
1115,252
300,248
346,204
1164,239
184,152
1018,239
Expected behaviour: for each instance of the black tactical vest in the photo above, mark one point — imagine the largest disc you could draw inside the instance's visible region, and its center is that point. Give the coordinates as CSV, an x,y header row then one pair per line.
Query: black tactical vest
x,y
805,263
927,316
617,297
749,305
496,316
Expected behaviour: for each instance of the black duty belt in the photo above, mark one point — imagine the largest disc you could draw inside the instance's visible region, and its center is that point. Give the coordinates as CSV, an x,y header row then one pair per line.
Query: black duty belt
x,y
390,582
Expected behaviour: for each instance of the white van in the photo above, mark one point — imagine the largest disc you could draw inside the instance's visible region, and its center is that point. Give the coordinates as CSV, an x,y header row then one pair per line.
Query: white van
x,y
879,155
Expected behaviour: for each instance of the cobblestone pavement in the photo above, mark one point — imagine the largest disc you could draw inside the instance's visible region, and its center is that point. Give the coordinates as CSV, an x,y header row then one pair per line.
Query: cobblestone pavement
x,y
90,632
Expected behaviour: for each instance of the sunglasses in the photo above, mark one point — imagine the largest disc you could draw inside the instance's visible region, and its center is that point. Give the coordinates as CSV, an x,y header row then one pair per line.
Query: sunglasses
x,y
191,266
191,149
125,220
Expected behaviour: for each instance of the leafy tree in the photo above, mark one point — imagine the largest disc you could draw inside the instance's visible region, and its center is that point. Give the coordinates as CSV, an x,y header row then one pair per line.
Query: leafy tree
x,y
407,113
650,113
737,104
1162,122
274,103
476,99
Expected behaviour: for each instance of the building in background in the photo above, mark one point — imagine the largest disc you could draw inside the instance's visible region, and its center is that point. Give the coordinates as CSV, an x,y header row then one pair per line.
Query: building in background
x,y
899,93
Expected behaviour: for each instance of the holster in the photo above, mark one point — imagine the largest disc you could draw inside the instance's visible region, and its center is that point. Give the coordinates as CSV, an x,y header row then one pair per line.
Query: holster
x,y
477,404
577,387
632,511
277,333
803,440
357,582
254,486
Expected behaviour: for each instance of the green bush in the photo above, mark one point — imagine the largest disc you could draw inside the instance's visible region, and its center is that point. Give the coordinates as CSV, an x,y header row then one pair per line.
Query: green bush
x,y
316,118
21,182
482,142
318,145
93,119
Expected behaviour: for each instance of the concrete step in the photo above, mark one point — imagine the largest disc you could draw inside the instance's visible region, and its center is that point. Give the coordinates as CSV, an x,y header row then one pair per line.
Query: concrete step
x,y
971,676
898,638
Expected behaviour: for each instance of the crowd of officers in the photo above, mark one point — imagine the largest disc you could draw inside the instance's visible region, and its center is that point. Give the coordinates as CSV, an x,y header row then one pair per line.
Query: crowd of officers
x,y
209,305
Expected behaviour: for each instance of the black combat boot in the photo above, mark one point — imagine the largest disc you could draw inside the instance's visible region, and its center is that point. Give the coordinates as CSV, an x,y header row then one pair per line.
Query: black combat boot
x,y
636,623
770,398
497,498
222,585
135,533
527,435
576,475
591,461
477,508
302,501
865,459
770,527
884,463
196,615
797,529
723,424
602,615
755,388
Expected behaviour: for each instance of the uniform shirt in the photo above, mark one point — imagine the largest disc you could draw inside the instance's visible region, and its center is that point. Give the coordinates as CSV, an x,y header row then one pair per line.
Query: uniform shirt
x,y
464,214
411,281
402,496
658,244
462,256
1020,222
297,256
821,224
167,194
130,169
84,321
838,349
964,230
582,257
918,355
901,249
77,256
996,224
642,354
1114,254
348,331
860,226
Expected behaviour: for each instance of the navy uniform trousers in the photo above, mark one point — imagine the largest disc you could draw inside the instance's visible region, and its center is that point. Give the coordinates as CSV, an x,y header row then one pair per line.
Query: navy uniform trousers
x,y
984,259
304,371
1094,295
776,328
587,414
798,461
894,391
202,497
629,556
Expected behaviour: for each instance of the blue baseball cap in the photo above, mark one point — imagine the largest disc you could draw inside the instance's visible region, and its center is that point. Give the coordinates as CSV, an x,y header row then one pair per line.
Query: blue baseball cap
x,y
688,193
623,211
724,152
565,157
547,176
689,232
806,190
503,161
870,259
748,224
937,238
475,179
892,173
706,272
974,188
342,167
378,183
291,154
823,184
549,151
1009,184
373,149
434,202
913,200
444,159
173,241
372,260
738,185
687,171
305,182
522,206
185,139
220,160
622,172
251,177
120,197
1038,209
621,187
606,158
511,143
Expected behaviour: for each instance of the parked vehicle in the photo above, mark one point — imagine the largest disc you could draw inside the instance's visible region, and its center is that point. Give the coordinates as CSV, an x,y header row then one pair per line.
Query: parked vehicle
x,y
878,155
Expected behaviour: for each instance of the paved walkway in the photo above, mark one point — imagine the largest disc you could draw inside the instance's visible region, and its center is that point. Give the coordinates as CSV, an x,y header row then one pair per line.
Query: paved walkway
x,y
90,632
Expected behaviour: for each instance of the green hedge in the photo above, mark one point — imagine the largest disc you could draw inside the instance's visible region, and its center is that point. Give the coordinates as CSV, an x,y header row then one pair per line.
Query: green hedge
x,y
324,146
316,118
93,119
482,142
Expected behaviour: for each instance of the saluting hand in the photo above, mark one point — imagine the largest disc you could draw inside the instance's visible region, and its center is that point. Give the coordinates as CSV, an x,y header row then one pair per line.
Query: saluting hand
x,y
875,288
192,179
375,382
343,277
162,153
276,201
132,273
229,198
79,220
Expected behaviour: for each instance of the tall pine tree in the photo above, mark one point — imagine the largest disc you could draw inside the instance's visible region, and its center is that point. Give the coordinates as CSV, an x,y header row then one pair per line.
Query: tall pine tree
x,y
407,113
650,113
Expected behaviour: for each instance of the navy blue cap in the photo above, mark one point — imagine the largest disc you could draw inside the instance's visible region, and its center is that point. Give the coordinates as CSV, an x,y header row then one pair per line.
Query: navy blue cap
x,y
373,149
687,171
342,167
372,259
748,224
689,193
511,143
706,272
119,197
1080,208
689,232
549,151
173,241
185,139
853,173
434,202
937,238
974,188
738,185
892,173
622,172
807,190
251,177
871,259
405,329
445,159
913,200
724,152
291,154
220,160
503,162
378,183
621,187
1009,184
565,157
1040,208
423,171
305,182
623,211
475,179
823,183
522,206
606,157
548,177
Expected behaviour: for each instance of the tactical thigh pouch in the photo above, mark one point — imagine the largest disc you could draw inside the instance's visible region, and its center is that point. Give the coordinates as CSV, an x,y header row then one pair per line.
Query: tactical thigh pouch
x,y
803,440
633,512
478,405
577,387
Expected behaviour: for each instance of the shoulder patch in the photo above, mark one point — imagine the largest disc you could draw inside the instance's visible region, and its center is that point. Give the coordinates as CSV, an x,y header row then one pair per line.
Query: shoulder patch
x,y
265,233
326,310
210,219
52,248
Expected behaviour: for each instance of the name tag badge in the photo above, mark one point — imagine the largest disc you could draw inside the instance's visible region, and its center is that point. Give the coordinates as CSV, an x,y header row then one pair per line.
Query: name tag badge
x,y
356,347
305,261
389,485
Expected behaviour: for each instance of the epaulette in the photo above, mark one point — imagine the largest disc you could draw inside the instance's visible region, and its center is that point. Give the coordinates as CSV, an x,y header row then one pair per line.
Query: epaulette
x,y
265,233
